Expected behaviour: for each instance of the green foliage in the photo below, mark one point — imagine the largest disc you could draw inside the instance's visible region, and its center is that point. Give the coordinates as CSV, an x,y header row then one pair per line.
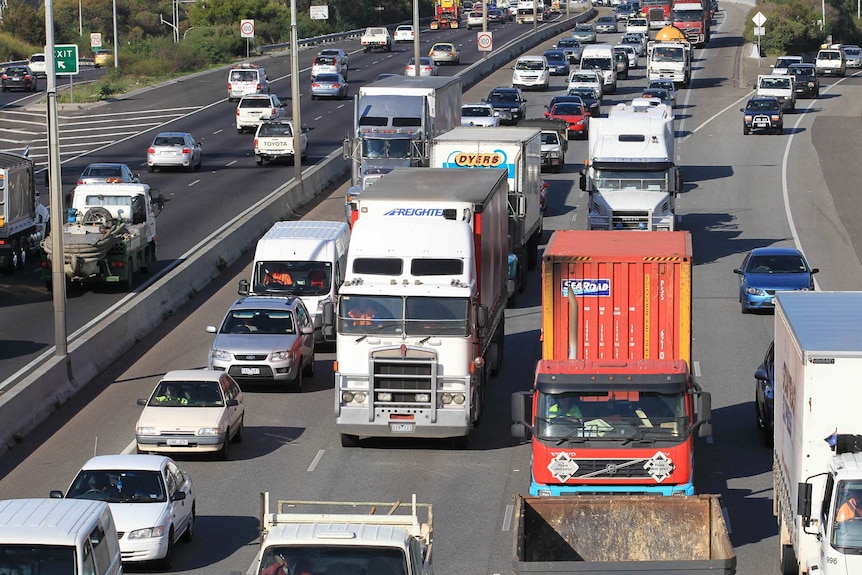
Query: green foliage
x,y
791,27
24,22
13,48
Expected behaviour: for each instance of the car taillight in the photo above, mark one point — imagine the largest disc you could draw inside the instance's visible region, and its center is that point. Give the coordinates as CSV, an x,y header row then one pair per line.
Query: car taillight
x,y
187,150
272,112
258,87
228,86
26,76
255,143
336,85
5,77
315,85
237,111
427,68
151,150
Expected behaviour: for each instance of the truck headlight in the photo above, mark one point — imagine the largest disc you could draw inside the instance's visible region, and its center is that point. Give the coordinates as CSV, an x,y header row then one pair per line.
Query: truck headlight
x,y
384,396
422,397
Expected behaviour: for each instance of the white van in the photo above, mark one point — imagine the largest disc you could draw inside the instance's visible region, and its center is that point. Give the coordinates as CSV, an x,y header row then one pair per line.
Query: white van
x,y
246,79
312,254
601,57
531,72
50,536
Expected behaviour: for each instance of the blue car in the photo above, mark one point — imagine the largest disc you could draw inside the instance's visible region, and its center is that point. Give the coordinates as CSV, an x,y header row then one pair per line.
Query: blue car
x,y
558,62
764,395
765,271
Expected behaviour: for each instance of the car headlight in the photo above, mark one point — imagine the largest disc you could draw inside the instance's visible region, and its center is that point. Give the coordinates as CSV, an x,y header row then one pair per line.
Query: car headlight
x,y
775,117
209,432
147,533
515,110
554,154
220,354
754,291
747,117
147,431
285,355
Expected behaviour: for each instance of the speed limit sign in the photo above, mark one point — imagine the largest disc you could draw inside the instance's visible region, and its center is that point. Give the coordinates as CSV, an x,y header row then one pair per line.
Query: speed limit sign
x,y
485,41
246,28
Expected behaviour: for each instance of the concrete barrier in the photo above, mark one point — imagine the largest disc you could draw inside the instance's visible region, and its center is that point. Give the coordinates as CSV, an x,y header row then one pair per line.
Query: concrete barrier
x,y
41,390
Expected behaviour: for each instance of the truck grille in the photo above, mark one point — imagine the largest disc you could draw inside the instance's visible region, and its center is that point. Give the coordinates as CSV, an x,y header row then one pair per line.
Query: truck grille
x,y
656,15
402,374
611,468
630,221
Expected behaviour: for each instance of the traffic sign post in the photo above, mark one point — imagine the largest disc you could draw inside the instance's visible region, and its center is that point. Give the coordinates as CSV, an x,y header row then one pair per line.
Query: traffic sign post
x,y
246,30
485,41
759,19
66,59
95,41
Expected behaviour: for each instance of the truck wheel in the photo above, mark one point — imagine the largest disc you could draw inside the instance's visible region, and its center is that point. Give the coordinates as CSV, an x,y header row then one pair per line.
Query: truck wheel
x,y
497,348
349,440
533,251
258,160
788,565
224,453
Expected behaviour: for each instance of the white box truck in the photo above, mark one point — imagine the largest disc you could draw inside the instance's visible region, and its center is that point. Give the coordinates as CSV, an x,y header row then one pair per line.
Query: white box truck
x,y
420,319
630,173
817,464
395,120
519,151
304,258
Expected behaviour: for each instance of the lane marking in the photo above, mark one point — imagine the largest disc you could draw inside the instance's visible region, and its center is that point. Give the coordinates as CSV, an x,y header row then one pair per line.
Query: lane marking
x,y
696,366
507,517
315,461
193,183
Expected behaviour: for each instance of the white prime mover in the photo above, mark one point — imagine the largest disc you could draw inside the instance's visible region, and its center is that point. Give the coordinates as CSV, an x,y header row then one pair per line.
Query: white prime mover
x,y
816,460
630,175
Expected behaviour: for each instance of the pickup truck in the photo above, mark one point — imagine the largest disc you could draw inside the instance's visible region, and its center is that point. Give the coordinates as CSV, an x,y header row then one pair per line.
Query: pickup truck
x,y
554,141
376,37
780,86
274,139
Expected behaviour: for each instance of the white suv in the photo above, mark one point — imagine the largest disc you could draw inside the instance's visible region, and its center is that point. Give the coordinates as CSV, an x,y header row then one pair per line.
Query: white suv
x,y
830,61
531,72
254,109
37,65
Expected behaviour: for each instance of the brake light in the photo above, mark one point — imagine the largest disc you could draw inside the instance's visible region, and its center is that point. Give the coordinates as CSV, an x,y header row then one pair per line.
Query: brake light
x,y
187,150
336,85
272,112
151,150
5,77
237,111
26,76
315,85
258,87
255,143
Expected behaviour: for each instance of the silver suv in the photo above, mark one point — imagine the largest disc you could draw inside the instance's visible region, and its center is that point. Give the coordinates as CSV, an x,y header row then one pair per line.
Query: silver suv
x,y
265,338
255,108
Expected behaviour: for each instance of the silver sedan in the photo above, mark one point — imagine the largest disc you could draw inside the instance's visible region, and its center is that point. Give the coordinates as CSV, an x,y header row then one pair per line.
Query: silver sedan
x,y
427,67
174,150
329,86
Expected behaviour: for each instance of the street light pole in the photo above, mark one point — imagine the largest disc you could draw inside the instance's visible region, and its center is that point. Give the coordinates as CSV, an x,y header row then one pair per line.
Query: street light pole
x,y
116,40
416,37
294,95
80,17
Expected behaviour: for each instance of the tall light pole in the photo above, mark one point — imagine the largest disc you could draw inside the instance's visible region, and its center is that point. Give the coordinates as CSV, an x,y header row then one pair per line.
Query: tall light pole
x,y
116,40
416,70
80,17
58,273
294,95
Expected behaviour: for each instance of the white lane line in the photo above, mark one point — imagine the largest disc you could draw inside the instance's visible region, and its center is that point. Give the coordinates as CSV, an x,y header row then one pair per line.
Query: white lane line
x,y
130,447
318,118
218,132
194,183
507,518
232,162
695,365
315,461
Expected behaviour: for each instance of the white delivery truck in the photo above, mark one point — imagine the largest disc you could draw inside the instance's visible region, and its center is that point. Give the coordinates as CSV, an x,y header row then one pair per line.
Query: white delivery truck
x,y
344,538
519,151
601,57
817,436
420,316
304,258
395,120
669,56
630,173
23,219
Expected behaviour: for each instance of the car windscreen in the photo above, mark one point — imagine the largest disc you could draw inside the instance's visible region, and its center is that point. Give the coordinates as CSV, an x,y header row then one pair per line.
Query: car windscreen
x,y
529,65
476,111
168,141
326,78
567,110
243,76
271,129
255,103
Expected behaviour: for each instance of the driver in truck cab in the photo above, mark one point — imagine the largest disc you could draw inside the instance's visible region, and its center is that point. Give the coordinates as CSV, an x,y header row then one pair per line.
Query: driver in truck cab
x,y
850,508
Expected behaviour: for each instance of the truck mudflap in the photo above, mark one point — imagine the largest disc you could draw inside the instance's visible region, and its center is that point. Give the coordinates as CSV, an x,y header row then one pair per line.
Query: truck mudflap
x,y
622,534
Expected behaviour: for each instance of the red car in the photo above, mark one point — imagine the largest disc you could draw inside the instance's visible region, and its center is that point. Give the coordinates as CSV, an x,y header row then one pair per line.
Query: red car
x,y
573,114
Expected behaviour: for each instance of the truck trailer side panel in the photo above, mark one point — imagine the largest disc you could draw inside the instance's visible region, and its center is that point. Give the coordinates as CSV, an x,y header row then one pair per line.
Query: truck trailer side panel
x,y
628,295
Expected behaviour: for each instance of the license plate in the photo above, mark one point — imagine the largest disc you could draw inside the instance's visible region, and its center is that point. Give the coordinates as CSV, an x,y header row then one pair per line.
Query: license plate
x,y
176,442
250,370
168,153
402,427
761,125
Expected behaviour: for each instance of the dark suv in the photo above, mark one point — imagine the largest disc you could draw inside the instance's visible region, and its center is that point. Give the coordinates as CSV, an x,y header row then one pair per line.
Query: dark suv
x,y
19,78
762,114
807,83
509,103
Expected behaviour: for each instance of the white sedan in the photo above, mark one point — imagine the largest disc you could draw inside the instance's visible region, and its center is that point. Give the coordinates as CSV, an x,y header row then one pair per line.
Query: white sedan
x,y
150,497
427,67
479,114
404,33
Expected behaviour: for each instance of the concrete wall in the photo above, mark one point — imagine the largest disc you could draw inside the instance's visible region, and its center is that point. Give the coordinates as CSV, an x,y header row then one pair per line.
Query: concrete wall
x,y
45,387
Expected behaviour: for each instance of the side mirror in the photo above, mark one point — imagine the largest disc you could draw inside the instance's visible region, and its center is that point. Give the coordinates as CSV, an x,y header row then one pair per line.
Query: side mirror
x,y
803,501
814,270
243,288
232,402
142,401
307,330
737,271
180,495
583,180
761,375
482,316
328,321
56,494
211,329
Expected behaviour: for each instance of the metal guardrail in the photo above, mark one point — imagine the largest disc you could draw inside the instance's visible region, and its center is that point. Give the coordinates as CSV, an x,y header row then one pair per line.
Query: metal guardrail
x,y
335,36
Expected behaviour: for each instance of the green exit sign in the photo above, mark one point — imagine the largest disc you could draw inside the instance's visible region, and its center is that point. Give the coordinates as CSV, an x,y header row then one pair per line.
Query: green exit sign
x,y
66,59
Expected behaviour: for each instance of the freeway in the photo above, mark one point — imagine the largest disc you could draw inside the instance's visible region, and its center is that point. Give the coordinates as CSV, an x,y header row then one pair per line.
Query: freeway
x,y
739,194
197,203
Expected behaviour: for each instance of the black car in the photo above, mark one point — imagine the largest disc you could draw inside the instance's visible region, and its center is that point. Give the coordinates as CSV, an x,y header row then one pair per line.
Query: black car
x,y
589,97
498,16
762,114
764,395
807,83
509,103
19,78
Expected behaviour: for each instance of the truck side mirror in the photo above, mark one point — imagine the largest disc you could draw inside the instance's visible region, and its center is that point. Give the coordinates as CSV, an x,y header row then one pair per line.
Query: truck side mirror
x,y
346,149
242,289
583,180
803,501
520,425
704,413
481,316
679,180
328,321
522,206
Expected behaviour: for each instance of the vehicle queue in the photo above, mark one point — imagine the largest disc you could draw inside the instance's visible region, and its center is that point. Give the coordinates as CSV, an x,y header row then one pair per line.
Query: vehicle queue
x,y
226,401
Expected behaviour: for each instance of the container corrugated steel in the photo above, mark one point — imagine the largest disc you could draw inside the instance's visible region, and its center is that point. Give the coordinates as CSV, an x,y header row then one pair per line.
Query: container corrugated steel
x,y
627,293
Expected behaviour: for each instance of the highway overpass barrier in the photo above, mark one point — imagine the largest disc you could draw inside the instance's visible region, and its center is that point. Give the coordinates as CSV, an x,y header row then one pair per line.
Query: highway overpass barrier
x,y
35,392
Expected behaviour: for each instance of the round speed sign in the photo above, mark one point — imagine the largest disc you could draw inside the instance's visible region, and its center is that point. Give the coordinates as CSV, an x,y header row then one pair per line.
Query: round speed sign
x,y
246,28
485,41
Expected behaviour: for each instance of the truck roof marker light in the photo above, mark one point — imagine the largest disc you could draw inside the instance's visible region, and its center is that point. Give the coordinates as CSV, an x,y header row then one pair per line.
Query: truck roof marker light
x,y
335,366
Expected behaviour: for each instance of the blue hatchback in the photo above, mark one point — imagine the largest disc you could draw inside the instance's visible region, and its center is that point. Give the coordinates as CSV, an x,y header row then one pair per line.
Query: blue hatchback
x,y
558,62
765,271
